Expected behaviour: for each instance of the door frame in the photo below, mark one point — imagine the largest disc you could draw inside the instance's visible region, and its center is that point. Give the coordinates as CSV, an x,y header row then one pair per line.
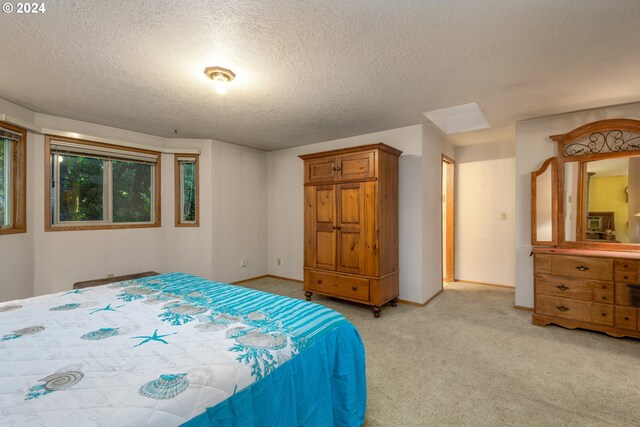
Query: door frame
x,y
448,228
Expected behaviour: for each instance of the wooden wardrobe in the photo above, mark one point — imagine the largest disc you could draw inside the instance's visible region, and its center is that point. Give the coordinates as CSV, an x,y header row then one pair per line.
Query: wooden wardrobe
x,y
351,224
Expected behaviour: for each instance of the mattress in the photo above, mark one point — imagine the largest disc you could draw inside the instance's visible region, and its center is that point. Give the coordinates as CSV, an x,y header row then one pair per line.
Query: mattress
x,y
176,349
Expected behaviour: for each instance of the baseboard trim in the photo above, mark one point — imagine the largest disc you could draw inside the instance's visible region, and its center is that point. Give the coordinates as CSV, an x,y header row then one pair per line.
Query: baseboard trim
x,y
284,278
485,284
249,279
523,308
417,304
239,282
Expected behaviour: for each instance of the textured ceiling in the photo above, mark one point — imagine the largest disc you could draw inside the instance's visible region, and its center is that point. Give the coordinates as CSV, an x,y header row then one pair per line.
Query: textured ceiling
x,y
311,71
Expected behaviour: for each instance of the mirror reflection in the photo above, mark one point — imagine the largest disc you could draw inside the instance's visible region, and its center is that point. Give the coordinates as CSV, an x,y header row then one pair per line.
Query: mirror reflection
x,y
544,205
602,200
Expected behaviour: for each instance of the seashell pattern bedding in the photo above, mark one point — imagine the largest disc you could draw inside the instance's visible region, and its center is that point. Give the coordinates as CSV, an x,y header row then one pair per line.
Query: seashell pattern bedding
x,y
176,349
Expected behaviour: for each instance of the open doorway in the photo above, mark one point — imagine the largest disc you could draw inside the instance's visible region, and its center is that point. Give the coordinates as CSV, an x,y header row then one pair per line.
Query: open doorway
x,y
448,220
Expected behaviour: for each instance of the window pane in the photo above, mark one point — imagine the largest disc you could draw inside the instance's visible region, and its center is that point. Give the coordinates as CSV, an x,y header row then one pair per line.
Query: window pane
x,y
132,183
4,183
188,192
81,188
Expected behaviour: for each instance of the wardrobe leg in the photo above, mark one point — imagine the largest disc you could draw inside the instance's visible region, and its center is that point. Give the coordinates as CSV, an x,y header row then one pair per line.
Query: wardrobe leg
x,y
394,302
376,311
308,295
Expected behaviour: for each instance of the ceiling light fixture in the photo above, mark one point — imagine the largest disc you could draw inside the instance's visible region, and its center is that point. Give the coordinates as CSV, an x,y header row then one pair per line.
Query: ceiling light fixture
x,y
221,78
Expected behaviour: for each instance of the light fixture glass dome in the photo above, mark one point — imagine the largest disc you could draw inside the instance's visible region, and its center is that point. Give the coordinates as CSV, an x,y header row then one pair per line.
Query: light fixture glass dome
x,y
221,78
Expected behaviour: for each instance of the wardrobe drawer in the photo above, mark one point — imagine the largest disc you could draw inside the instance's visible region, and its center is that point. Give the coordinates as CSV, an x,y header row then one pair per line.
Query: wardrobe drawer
x,y
564,307
355,288
602,314
583,267
627,318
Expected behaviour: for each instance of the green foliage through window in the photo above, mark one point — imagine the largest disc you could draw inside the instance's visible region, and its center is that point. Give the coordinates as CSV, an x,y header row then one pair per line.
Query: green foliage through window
x,y
5,154
95,189
188,192
81,188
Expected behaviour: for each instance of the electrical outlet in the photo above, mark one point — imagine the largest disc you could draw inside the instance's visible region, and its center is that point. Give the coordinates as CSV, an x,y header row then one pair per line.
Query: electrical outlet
x,y
279,261
110,275
503,216
243,263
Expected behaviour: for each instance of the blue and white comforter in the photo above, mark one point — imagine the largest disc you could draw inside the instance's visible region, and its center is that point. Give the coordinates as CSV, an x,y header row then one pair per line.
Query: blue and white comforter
x,y
174,349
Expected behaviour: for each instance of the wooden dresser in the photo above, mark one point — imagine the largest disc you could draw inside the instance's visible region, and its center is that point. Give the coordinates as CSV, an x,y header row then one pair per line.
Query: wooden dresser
x,y
351,224
597,290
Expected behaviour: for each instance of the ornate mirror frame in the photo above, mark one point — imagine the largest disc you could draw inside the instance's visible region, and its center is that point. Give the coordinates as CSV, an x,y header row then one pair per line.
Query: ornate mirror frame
x,y
599,140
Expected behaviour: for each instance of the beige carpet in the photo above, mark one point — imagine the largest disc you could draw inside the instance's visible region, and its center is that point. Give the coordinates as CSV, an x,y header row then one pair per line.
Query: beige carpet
x,y
470,358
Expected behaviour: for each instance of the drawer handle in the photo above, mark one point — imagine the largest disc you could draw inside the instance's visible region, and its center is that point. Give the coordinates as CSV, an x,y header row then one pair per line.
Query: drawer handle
x,y
626,277
582,268
562,308
319,281
354,288
562,287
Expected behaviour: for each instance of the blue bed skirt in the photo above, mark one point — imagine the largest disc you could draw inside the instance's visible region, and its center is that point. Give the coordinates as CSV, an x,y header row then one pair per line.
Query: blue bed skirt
x,y
324,385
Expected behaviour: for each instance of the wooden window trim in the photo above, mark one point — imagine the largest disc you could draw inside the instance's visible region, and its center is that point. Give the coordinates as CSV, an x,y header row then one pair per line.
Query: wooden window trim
x,y
178,184
19,184
47,193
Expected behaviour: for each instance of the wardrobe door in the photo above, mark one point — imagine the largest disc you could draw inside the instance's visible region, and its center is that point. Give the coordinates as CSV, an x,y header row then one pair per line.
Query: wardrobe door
x,y
351,227
320,227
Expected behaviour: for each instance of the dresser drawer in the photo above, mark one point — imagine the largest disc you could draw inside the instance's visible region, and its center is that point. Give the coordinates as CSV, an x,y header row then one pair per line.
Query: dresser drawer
x,y
602,314
542,263
603,292
355,288
573,288
564,307
626,276
588,290
583,267
624,265
628,294
627,318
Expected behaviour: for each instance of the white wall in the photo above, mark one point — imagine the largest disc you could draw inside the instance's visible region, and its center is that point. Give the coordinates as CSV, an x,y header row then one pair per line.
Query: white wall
x,y
533,146
239,212
16,254
433,147
485,188
41,262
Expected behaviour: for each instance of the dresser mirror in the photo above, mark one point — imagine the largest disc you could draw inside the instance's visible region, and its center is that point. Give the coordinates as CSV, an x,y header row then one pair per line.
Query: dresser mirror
x,y
602,199
544,211
589,195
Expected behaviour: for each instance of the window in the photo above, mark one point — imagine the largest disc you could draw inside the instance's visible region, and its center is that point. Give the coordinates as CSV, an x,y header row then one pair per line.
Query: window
x,y
186,190
96,186
13,168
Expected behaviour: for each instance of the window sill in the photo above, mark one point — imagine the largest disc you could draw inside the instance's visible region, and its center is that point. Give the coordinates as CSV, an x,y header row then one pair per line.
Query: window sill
x,y
13,231
49,227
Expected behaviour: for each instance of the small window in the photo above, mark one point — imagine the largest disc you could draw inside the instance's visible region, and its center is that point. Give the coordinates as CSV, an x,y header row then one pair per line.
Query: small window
x,y
186,190
98,186
13,167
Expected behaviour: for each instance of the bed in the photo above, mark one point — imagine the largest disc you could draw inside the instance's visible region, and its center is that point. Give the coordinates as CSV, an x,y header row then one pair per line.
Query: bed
x,y
176,349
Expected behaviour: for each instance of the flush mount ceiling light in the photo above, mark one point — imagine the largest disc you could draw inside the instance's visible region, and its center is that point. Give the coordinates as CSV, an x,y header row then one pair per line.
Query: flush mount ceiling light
x,y
461,118
221,78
